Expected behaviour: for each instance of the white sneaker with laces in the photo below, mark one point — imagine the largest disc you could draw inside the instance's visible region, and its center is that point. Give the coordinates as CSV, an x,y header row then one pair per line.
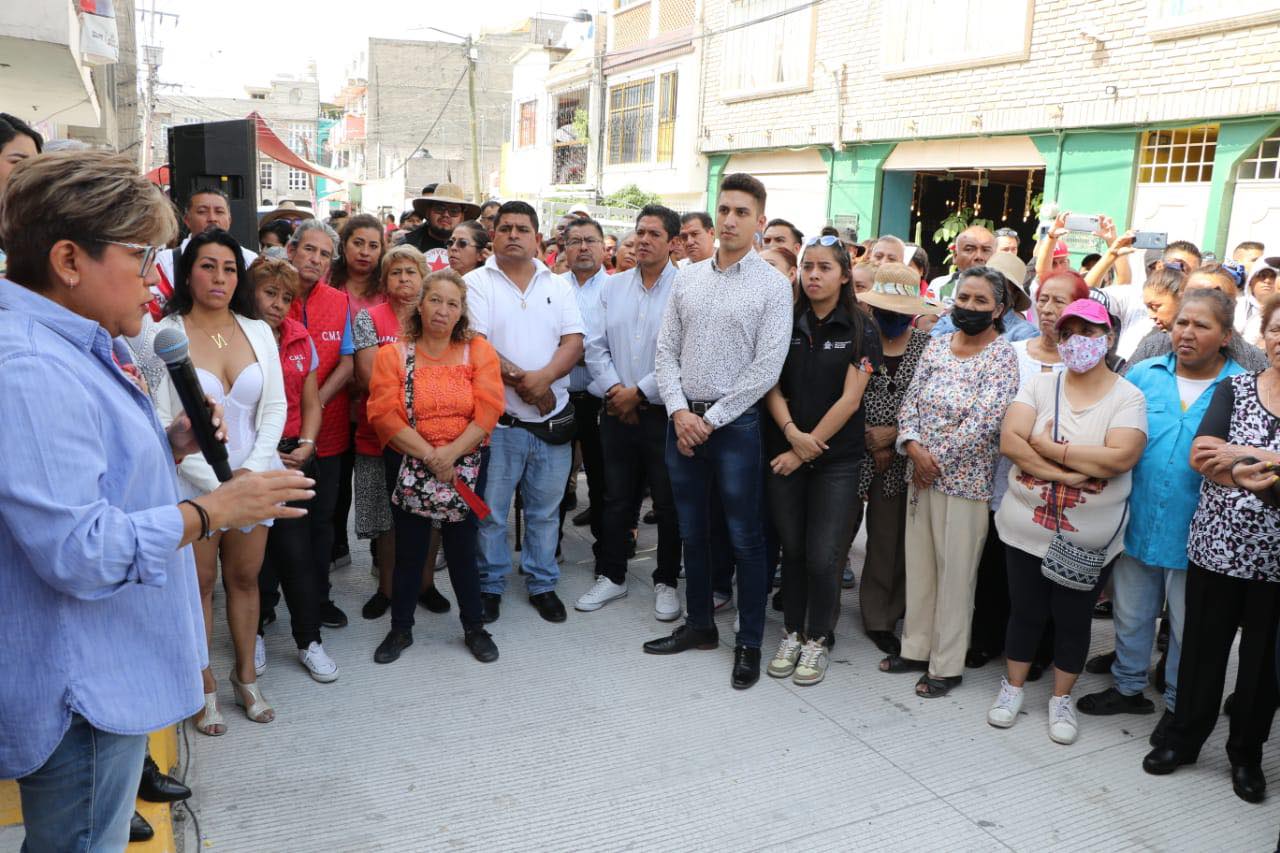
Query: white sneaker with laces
x,y
784,661
600,594
666,603
1062,720
1004,711
812,666
259,655
318,663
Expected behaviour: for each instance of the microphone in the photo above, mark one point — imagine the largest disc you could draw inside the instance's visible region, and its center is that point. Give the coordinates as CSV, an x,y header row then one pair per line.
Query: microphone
x,y
171,348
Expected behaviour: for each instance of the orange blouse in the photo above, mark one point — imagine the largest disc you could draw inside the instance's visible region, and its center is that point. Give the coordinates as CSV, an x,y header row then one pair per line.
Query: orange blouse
x,y
447,395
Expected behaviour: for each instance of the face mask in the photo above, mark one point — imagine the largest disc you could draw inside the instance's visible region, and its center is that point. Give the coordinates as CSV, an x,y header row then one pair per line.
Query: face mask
x,y
891,323
1081,354
971,322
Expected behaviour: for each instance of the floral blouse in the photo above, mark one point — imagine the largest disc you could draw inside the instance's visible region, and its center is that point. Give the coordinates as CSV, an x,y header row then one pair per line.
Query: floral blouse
x,y
954,408
881,402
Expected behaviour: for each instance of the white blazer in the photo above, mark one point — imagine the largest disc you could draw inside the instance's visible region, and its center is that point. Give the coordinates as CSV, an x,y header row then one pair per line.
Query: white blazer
x,y
268,420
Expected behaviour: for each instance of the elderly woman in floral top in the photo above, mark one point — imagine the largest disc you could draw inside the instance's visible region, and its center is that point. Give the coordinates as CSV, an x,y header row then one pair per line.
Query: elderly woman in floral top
x,y
893,299
949,428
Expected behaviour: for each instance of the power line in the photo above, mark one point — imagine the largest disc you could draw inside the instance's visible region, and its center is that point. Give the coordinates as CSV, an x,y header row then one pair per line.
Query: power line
x,y
418,147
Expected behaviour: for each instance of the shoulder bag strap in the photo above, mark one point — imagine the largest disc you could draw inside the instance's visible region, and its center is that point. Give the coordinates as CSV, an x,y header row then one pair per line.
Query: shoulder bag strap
x,y
1053,487
409,348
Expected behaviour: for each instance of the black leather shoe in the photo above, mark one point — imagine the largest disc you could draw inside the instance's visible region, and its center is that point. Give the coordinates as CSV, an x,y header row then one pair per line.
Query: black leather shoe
x,y
481,644
1111,701
434,601
389,649
492,603
583,518
886,642
1100,664
139,829
331,616
1163,760
549,606
746,667
1248,782
682,639
157,787
650,517
1161,729
376,606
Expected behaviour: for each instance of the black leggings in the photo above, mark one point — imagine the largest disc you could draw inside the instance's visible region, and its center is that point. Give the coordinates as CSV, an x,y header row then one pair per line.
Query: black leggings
x,y
1033,599
289,561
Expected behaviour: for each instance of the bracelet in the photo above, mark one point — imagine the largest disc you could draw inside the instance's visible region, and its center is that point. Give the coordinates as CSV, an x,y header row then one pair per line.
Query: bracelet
x,y
306,441
205,531
787,424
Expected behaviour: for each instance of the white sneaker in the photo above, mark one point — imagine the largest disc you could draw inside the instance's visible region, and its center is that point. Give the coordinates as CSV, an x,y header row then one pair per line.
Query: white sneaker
x,y
812,666
259,655
441,565
1062,720
666,603
600,594
719,601
784,661
1004,711
318,663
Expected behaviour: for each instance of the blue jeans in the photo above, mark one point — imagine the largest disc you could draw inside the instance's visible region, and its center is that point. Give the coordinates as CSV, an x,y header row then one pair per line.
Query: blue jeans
x,y
1139,592
518,458
728,464
81,799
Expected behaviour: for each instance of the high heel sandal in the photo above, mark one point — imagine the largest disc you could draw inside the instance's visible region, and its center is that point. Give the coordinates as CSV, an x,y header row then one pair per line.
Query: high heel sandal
x,y
249,697
211,723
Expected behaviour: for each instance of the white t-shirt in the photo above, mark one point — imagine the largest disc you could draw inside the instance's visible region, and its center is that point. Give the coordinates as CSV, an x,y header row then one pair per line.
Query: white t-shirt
x,y
525,327
1135,322
1028,369
1089,515
1191,389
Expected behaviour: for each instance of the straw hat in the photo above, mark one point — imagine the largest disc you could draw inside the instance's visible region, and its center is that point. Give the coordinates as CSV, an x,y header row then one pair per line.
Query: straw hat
x,y
287,210
1014,272
897,289
446,194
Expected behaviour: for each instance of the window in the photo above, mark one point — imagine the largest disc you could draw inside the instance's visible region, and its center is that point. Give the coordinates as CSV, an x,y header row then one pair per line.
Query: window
x,y
569,148
528,124
666,117
298,179
258,96
266,174
921,36
1168,19
1183,156
301,137
775,55
1263,163
631,122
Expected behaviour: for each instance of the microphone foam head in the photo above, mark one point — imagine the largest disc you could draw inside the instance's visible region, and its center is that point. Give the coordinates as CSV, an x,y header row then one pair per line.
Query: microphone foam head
x,y
170,345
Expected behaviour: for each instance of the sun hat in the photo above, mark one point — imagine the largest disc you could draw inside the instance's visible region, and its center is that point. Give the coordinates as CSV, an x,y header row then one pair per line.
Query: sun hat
x,y
287,210
1014,272
446,194
896,288
1089,310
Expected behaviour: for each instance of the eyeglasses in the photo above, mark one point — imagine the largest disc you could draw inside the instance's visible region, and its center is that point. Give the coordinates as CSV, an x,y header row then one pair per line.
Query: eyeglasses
x,y
460,242
582,241
149,254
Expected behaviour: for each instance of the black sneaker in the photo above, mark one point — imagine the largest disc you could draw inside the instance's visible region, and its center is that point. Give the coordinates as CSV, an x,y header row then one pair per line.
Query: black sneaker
x,y
1100,664
1112,701
434,601
583,518
376,606
390,648
481,644
492,606
650,517
331,616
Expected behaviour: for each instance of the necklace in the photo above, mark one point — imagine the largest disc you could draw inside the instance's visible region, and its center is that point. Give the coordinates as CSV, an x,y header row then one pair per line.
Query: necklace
x,y
218,340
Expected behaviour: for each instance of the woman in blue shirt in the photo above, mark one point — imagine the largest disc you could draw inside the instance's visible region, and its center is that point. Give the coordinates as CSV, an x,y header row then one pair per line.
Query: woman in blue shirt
x,y
94,536
1152,570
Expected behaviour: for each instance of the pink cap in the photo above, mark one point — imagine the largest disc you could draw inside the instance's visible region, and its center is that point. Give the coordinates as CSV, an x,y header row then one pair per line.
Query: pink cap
x,y
1061,250
1089,310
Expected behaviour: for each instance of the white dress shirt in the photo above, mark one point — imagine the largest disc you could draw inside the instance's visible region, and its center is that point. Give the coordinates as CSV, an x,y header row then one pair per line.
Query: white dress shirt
x,y
622,346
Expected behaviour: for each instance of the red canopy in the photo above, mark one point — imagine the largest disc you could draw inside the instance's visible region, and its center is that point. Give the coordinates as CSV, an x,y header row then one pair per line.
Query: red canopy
x,y
275,148
159,176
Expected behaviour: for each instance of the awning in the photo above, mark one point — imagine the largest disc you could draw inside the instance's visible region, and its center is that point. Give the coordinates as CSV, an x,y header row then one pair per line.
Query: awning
x,y
159,176
994,152
273,146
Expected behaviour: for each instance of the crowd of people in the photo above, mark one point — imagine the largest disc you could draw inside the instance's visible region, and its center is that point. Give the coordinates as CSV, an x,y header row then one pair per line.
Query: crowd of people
x,y
1027,442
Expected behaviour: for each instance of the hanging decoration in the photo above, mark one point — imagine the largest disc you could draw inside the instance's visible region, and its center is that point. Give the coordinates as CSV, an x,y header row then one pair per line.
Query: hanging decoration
x,y
977,194
1026,205
1004,209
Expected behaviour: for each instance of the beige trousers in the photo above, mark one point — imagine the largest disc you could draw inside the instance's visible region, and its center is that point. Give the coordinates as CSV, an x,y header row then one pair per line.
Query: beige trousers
x,y
945,536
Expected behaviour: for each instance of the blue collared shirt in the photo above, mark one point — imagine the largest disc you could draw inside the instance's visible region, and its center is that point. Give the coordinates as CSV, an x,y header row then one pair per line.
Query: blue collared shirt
x,y
1015,328
623,346
588,296
1166,489
99,609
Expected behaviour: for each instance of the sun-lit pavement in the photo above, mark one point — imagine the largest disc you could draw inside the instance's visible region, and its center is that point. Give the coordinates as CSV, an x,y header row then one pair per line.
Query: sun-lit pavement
x,y
575,740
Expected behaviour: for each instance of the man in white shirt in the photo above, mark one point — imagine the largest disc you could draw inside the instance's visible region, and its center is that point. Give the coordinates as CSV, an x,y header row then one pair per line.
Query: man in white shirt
x,y
532,319
205,209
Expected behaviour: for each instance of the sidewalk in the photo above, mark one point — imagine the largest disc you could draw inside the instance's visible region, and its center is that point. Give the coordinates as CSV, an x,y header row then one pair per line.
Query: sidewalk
x,y
575,740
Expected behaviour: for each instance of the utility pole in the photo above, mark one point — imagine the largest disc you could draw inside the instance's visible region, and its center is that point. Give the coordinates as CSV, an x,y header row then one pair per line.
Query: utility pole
x,y
472,51
152,56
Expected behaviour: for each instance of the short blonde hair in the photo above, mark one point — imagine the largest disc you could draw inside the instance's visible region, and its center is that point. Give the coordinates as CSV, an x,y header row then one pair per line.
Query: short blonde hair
x,y
84,196
413,322
403,250
266,269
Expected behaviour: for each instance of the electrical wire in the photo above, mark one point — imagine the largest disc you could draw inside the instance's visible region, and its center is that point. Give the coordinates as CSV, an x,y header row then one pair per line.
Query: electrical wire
x,y
418,147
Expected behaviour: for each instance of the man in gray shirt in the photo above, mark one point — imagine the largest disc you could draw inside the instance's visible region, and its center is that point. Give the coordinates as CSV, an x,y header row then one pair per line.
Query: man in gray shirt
x,y
724,337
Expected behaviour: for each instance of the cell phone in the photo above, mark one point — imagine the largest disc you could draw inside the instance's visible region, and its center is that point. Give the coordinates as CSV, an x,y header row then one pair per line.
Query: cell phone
x,y
1087,224
1151,240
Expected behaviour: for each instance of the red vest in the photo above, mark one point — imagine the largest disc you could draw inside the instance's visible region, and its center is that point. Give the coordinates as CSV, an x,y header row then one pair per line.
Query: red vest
x,y
295,362
324,314
387,325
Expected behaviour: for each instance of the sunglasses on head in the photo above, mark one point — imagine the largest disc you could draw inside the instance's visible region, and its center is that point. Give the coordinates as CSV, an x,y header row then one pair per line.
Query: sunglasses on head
x,y
1175,264
1006,232
1236,269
